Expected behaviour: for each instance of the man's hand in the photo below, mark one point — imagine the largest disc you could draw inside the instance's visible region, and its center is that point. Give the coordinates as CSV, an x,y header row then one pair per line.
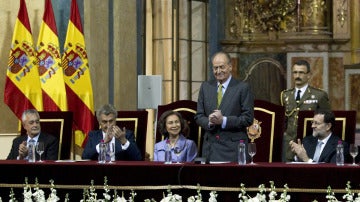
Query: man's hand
x,y
299,150
23,150
216,118
118,133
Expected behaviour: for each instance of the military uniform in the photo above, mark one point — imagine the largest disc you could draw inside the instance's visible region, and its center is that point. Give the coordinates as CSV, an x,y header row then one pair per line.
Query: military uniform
x,y
312,99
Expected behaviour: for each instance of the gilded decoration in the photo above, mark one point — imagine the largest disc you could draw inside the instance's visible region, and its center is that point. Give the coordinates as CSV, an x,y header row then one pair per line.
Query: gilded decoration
x,y
249,19
259,16
313,13
254,131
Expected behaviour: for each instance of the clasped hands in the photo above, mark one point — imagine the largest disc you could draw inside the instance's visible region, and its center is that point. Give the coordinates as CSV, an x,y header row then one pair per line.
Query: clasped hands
x,y
118,133
299,150
23,150
215,118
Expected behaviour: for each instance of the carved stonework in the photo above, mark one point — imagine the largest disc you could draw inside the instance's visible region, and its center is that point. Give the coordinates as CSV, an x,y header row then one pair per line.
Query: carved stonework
x,y
341,19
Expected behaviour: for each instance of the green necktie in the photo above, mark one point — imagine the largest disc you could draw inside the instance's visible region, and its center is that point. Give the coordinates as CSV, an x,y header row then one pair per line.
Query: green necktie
x,y
219,95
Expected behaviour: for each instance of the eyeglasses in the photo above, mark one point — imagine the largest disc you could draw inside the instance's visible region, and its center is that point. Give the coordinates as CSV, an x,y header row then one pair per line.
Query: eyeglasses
x,y
300,72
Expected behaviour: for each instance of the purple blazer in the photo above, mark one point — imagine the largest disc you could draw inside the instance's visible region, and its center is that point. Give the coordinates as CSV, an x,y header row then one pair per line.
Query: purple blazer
x,y
188,150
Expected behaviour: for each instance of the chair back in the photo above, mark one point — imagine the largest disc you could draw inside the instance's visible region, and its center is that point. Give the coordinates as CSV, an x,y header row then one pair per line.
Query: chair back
x,y
135,121
345,124
59,124
187,109
270,119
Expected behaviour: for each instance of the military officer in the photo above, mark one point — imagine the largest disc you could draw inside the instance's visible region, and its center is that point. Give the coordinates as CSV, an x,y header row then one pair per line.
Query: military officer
x,y
302,97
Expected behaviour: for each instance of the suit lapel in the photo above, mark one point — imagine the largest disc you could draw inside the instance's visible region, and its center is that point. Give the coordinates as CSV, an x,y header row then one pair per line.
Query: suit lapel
x,y
228,95
312,147
99,136
41,138
331,143
213,98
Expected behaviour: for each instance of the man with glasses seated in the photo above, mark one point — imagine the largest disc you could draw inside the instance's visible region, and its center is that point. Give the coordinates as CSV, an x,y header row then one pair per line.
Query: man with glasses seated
x,y
301,97
321,145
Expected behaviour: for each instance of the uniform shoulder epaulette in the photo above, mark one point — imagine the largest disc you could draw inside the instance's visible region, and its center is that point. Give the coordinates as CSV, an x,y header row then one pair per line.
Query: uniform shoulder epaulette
x,y
287,90
315,88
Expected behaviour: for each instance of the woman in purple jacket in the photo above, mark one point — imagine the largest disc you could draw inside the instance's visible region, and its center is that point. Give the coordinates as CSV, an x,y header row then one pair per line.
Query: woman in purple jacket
x,y
175,130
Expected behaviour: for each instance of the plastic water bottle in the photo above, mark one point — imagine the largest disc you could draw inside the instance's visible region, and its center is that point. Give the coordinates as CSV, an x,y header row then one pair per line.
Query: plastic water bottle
x,y
242,153
340,154
102,152
31,152
168,157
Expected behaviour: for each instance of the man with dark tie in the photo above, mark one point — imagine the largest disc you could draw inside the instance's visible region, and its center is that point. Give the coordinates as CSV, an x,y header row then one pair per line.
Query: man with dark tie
x,y
301,97
123,140
321,145
225,108
31,122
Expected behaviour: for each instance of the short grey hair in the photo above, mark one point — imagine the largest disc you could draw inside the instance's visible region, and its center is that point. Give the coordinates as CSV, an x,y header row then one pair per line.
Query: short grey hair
x,y
27,112
227,56
106,110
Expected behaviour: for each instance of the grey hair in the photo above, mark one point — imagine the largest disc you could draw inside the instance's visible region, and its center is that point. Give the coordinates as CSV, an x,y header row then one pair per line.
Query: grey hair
x,y
27,112
227,56
106,110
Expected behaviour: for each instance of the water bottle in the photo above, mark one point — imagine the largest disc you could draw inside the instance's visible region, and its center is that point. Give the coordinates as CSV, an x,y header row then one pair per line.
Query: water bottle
x,y
340,154
31,152
168,157
102,152
242,153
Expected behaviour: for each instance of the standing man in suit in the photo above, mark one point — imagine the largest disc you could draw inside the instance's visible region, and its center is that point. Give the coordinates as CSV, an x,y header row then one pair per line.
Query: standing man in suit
x,y
31,122
225,108
321,146
302,97
124,140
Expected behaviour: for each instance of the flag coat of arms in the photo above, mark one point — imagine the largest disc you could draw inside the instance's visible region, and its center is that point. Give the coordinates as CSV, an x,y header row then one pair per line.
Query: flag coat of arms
x,y
22,85
49,63
77,77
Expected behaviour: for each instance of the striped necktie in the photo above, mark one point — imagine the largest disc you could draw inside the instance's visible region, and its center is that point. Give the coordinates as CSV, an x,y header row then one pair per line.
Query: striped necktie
x,y
31,144
219,95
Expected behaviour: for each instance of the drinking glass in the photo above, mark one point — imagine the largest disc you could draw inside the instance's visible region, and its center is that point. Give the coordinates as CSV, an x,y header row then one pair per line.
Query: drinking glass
x,y
111,151
353,152
252,151
177,152
40,149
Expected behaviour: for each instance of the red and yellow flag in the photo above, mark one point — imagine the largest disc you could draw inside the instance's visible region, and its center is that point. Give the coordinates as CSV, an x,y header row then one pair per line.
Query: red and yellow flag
x,y
49,63
77,77
22,86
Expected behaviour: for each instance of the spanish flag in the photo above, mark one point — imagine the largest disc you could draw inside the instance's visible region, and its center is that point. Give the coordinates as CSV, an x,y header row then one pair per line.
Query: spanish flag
x,y
77,77
49,63
22,86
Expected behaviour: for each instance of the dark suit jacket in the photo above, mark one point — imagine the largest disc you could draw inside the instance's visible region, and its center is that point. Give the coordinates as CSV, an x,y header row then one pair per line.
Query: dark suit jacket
x,y
51,144
238,106
132,153
328,155
312,99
